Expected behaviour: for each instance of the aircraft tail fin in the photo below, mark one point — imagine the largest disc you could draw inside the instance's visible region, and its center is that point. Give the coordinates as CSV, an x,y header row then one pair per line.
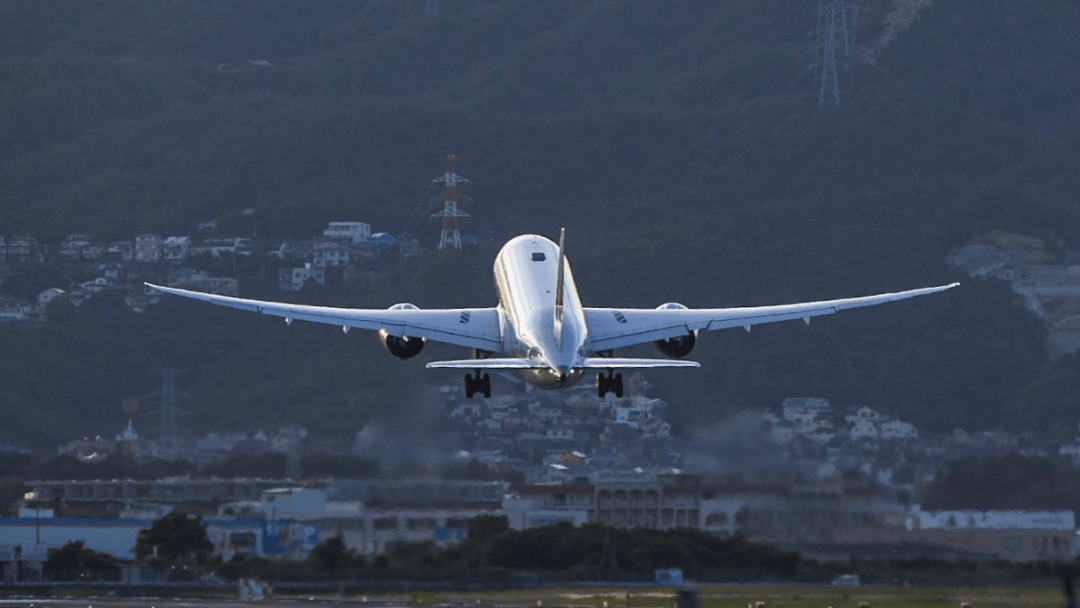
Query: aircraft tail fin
x,y
559,289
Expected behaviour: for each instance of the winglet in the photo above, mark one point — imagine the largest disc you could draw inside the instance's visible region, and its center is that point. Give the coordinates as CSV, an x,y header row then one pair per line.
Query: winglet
x,y
559,285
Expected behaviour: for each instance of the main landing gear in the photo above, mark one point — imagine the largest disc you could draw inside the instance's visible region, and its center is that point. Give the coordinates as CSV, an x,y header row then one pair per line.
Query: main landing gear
x,y
479,384
609,383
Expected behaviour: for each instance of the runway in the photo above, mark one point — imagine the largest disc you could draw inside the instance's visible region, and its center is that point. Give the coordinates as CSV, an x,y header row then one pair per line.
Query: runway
x,y
149,602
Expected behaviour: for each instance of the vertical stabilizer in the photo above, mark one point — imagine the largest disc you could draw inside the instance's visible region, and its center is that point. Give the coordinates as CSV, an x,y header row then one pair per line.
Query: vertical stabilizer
x,y
559,284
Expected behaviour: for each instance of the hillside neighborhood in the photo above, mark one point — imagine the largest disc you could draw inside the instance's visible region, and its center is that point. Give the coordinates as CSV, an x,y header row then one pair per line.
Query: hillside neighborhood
x,y
802,474
349,247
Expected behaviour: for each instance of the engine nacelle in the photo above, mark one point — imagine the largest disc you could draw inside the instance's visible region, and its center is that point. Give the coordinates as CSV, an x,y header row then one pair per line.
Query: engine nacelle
x,y
402,347
679,346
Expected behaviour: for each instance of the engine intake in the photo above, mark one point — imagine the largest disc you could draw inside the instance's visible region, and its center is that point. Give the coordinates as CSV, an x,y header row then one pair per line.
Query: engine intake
x,y
402,347
679,346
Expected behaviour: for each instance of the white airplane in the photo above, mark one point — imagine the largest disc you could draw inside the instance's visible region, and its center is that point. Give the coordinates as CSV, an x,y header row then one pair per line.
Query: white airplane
x,y
540,327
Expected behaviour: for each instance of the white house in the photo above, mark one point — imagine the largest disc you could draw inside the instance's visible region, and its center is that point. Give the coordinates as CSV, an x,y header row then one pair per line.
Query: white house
x,y
49,295
293,279
863,413
864,429
328,254
357,232
808,415
895,429
148,248
176,249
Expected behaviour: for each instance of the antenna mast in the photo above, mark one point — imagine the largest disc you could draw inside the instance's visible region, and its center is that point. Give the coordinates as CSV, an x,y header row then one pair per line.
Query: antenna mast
x,y
450,238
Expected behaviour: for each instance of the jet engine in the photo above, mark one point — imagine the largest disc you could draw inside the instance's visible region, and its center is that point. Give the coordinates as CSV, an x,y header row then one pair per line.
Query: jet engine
x,y
679,346
402,347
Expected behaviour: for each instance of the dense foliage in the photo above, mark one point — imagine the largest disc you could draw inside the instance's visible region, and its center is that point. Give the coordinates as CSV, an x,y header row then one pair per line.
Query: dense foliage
x,y
681,147
495,555
74,562
1009,482
174,539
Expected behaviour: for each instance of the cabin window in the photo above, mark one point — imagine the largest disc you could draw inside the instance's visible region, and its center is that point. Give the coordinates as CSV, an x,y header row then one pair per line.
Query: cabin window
x,y
538,257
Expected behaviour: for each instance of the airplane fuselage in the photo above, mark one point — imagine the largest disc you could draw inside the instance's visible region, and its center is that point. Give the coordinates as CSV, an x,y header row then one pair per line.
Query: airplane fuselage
x,y
526,276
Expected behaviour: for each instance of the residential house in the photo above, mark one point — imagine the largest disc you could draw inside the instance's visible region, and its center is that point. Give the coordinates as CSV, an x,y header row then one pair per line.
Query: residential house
x,y
357,232
94,285
148,248
383,241
295,251
12,309
23,250
72,250
863,413
895,429
176,249
216,246
49,295
808,414
186,278
120,250
329,253
864,429
294,279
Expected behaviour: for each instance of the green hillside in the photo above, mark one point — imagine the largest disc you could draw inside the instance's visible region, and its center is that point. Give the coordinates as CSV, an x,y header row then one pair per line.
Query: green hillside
x,y
679,143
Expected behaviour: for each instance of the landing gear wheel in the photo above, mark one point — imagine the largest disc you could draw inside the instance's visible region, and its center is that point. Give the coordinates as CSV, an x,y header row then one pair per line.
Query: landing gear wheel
x,y
609,383
480,383
470,386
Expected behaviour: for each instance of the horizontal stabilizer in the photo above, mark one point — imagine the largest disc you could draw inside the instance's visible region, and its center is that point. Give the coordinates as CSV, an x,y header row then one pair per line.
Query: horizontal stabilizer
x,y
493,363
611,362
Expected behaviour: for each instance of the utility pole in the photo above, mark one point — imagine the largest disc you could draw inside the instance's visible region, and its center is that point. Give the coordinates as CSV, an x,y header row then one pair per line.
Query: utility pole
x,y
292,463
833,48
450,237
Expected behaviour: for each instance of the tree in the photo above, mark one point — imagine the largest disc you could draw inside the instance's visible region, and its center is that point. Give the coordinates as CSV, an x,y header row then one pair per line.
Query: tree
x,y
74,561
331,554
483,527
175,538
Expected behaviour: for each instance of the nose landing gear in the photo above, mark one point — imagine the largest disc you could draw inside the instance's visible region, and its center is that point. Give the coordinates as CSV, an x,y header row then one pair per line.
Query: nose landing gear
x,y
609,383
479,384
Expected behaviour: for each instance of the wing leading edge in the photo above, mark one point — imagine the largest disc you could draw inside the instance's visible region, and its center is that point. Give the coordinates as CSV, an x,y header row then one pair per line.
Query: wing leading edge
x,y
469,327
621,327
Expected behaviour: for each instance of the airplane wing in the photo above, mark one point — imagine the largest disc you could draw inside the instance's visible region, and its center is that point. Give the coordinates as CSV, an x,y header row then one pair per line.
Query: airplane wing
x,y
470,327
620,327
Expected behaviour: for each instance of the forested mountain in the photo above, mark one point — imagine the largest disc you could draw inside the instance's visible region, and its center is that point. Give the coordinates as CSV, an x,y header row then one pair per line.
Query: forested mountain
x,y
680,143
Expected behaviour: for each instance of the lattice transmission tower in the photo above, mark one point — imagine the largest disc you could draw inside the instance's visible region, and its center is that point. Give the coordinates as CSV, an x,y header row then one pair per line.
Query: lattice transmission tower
x,y
169,438
833,48
450,238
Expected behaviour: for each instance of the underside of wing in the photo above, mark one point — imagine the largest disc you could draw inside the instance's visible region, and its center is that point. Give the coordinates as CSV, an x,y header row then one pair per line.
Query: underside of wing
x,y
611,328
469,327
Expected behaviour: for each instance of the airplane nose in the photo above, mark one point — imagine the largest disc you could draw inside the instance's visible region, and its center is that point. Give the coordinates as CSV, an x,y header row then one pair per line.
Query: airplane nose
x,y
563,371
